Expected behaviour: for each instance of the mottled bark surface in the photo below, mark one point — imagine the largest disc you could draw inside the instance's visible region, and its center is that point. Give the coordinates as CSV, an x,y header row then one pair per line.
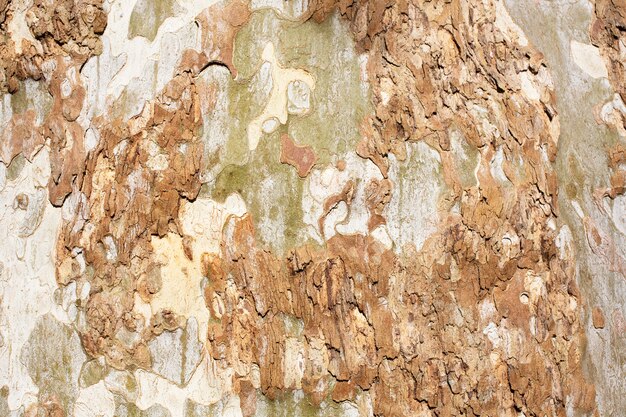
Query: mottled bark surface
x,y
323,207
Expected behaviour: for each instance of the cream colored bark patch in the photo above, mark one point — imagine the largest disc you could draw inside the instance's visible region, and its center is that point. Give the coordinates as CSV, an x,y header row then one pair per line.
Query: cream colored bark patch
x,y
208,385
203,221
588,59
619,213
181,292
277,104
94,401
412,212
323,184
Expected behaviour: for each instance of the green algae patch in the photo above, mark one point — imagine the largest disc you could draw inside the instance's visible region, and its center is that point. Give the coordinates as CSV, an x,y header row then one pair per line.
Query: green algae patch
x,y
19,100
32,95
91,373
131,410
272,192
337,105
4,403
53,356
149,15
298,404
193,409
290,405
15,167
340,100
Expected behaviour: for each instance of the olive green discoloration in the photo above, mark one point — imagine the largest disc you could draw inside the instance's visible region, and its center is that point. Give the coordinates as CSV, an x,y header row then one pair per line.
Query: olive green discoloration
x,y
15,167
132,99
288,405
19,101
272,192
300,405
122,383
466,158
193,409
31,95
131,410
419,186
148,15
294,327
92,373
340,102
4,405
575,187
419,164
53,356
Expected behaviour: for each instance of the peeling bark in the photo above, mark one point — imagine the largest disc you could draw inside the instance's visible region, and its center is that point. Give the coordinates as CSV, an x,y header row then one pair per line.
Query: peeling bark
x,y
303,208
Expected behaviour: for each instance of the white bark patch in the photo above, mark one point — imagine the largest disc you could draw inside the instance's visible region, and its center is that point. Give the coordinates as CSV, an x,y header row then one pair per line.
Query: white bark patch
x,y
27,276
412,212
588,59
139,49
619,213
95,401
529,88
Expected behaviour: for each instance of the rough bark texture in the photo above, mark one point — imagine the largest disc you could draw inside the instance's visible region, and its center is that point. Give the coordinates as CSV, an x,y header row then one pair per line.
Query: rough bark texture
x,y
322,207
